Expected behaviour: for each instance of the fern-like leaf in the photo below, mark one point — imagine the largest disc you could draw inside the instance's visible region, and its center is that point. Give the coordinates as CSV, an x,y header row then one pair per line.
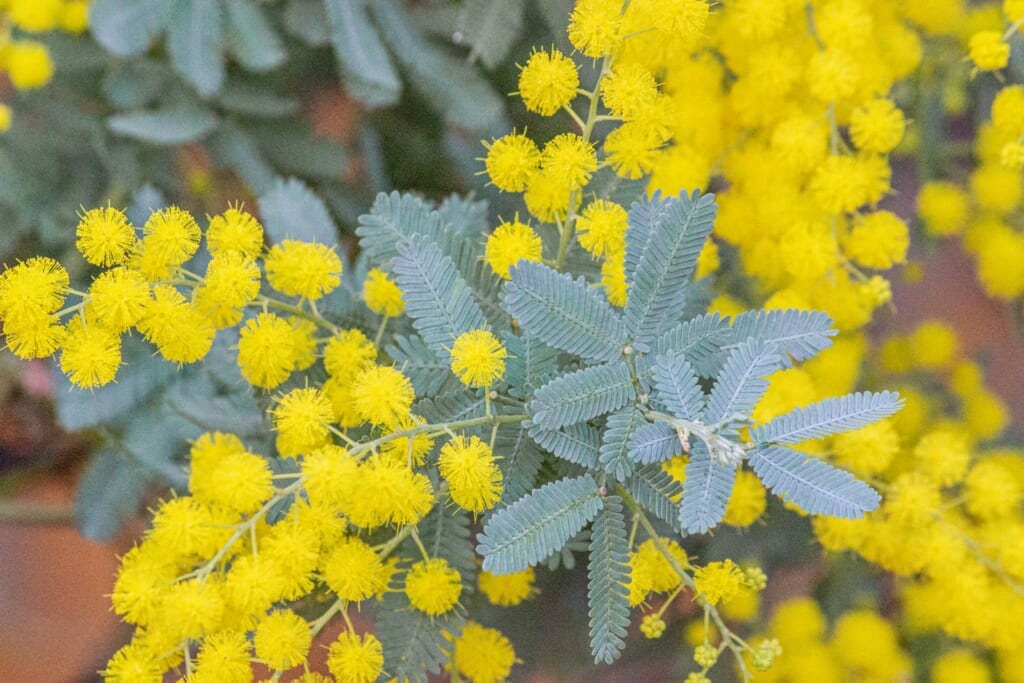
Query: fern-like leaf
x,y
519,459
706,491
538,524
581,395
615,452
814,485
699,339
393,218
831,416
676,389
797,335
437,299
644,217
429,375
414,643
653,442
741,382
446,534
608,582
665,266
578,443
656,491
530,364
564,313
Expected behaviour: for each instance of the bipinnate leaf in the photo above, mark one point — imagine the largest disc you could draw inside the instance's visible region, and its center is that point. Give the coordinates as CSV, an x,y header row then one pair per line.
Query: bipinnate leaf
x,y
706,491
699,340
392,219
564,313
581,395
657,491
664,268
813,484
415,643
579,443
797,335
128,27
251,38
676,389
538,524
653,442
644,216
741,383
290,210
615,442
437,299
608,582
830,416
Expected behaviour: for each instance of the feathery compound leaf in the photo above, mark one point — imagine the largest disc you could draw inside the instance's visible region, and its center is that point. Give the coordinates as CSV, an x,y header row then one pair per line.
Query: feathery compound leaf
x,y
665,266
607,582
581,395
429,375
675,386
797,335
699,339
538,524
615,442
814,485
653,442
530,364
393,218
439,302
414,642
564,313
644,216
519,459
657,492
706,491
446,534
579,443
830,416
741,383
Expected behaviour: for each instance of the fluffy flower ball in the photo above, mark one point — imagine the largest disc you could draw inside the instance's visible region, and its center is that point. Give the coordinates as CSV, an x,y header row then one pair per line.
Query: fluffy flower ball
x,y
356,659
433,586
988,51
305,269
383,396
548,82
877,126
510,243
382,295
511,160
282,639
483,654
474,479
104,236
478,358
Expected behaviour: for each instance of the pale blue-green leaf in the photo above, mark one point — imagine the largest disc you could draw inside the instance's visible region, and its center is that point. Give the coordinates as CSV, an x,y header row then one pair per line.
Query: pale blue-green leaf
x,y
578,443
519,459
827,417
233,147
437,299
581,395
814,485
742,381
530,364
293,148
699,339
465,215
619,429
676,389
489,28
195,36
644,216
706,491
251,37
608,578
128,27
290,210
657,492
564,313
538,524
430,376
797,335
253,100
654,443
109,492
134,84
307,21
392,219
171,126
415,644
366,66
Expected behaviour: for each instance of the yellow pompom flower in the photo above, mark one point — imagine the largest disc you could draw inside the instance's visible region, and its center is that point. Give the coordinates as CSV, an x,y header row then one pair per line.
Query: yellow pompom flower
x,y
232,280
354,571
306,269
912,499
478,358
960,666
613,278
507,590
569,158
943,454
877,126
180,332
601,228
718,581
433,586
988,51
878,240
133,662
302,420
33,287
348,353
387,492
484,655
266,350
136,597
382,295
75,16
104,236
327,473
628,90
38,335
594,27
224,473
747,502
170,237
224,656
383,396
631,150
991,491
868,450
510,243
282,639
1008,110
28,64
473,478
511,160
356,659
117,298
234,230
304,342
934,345
90,354
548,82
943,207
547,197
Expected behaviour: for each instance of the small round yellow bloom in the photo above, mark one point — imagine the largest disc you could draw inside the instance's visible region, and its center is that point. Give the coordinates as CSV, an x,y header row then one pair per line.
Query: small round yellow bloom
x,y
224,656
511,160
231,281
356,659
484,655
718,581
266,350
348,353
234,230
628,90
569,158
988,51
877,126
943,207
117,298
90,354
170,237
383,396
478,358
747,502
474,479
601,228
652,626
306,269
28,64
224,473
548,82
282,639
104,236
510,243
878,240
75,16
302,419
507,590
594,27
382,295
179,330
433,586
354,570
